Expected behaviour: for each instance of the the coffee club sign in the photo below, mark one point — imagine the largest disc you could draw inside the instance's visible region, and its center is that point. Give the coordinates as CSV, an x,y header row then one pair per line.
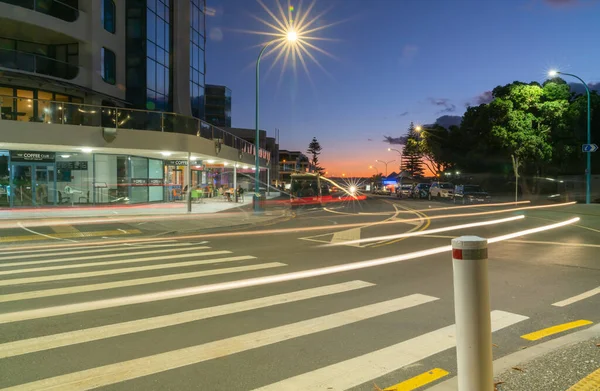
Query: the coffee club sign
x,y
32,156
180,162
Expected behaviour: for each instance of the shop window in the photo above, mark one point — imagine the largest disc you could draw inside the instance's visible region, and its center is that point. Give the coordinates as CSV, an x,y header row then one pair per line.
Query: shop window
x,y
7,103
44,107
24,106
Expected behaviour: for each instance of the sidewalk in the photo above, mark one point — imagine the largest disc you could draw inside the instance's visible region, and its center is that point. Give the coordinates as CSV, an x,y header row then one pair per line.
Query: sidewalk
x,y
568,363
157,219
206,206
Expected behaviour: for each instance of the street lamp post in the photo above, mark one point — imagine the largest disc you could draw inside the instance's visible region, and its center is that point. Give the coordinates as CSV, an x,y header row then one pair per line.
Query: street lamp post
x,y
399,153
374,168
291,37
386,165
588,171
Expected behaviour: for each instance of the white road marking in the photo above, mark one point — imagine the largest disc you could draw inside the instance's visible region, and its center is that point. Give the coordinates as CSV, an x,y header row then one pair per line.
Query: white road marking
x,y
138,281
113,262
361,369
35,249
31,345
103,256
575,299
349,235
144,366
88,250
59,277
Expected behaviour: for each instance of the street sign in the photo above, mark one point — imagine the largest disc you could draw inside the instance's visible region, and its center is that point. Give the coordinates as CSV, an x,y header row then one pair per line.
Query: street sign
x,y
589,147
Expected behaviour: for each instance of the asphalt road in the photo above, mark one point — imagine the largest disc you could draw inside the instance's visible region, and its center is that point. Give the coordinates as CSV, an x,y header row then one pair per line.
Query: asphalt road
x,y
189,313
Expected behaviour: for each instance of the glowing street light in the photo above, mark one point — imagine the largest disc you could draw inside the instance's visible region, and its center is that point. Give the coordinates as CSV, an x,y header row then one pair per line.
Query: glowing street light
x,y
588,171
291,39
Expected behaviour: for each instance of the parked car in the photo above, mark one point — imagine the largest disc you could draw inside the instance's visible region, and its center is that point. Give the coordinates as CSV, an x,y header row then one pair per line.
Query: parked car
x,y
441,190
421,190
382,191
404,191
470,194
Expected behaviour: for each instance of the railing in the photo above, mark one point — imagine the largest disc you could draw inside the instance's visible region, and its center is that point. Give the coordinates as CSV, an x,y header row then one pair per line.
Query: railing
x,y
54,112
54,8
34,63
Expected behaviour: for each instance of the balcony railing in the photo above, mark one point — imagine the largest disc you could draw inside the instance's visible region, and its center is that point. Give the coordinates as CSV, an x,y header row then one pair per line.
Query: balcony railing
x,y
29,62
54,8
53,112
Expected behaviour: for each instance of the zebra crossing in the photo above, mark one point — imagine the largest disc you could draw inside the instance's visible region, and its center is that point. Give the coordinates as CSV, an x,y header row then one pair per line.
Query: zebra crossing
x,y
71,333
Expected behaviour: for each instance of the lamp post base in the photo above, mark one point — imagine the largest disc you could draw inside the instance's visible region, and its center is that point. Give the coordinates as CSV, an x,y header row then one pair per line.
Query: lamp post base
x,y
258,203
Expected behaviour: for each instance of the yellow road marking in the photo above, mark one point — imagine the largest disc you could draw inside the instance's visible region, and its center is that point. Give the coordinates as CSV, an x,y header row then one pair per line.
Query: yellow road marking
x,y
419,381
589,383
25,238
419,227
555,330
65,229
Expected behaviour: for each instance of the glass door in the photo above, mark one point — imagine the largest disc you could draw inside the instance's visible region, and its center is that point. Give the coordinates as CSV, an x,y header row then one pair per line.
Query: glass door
x,y
22,185
42,185
32,185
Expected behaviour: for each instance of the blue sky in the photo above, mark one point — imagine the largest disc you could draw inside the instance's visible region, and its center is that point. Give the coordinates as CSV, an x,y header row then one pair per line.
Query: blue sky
x,y
395,61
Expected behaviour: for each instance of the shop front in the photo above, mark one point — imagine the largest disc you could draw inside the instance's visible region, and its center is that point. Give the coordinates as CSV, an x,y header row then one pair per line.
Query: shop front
x,y
43,178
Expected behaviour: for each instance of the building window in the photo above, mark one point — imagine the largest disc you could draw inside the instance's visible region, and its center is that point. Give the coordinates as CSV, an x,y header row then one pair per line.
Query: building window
x,y
109,66
109,11
158,55
197,41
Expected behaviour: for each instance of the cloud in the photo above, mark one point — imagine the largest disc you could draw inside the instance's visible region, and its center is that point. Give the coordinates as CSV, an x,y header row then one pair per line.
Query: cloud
x,y
578,88
449,120
484,98
409,52
395,140
568,3
402,114
209,11
443,102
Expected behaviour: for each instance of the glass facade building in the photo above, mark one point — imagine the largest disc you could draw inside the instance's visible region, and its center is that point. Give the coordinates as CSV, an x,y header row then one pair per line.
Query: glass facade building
x,y
218,105
197,63
158,52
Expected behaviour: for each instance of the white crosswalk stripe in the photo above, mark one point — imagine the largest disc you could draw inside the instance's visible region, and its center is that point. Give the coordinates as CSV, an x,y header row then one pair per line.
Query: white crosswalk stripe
x,y
138,281
59,260
80,336
118,372
71,332
89,250
31,280
359,370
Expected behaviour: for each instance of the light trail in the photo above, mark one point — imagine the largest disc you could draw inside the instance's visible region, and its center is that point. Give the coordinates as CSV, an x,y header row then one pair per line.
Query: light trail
x,y
287,230
427,232
218,287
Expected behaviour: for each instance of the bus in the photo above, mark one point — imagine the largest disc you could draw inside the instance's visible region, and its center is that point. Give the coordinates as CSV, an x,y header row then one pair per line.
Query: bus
x,y
309,189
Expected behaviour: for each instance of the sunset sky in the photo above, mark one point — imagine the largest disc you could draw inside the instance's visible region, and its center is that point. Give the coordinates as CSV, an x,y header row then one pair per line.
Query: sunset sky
x,y
391,62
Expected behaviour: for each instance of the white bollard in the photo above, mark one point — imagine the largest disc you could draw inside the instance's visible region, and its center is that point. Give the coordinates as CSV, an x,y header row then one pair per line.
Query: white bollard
x,y
472,313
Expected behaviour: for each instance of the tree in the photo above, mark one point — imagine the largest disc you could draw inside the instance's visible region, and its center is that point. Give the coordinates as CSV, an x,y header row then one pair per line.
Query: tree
x,y
314,150
521,129
437,155
412,153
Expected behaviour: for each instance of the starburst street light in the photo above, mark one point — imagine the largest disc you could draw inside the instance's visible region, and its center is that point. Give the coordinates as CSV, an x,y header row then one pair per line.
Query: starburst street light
x,y
290,36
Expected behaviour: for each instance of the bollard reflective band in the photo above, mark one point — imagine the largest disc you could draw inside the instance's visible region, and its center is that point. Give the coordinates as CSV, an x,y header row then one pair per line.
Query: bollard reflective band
x,y
470,254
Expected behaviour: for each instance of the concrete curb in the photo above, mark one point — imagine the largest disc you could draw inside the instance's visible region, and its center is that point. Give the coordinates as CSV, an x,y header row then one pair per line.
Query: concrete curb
x,y
514,359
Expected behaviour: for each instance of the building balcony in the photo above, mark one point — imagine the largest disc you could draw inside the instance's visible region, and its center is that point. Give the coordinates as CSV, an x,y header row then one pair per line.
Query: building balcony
x,y
55,8
79,114
33,63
